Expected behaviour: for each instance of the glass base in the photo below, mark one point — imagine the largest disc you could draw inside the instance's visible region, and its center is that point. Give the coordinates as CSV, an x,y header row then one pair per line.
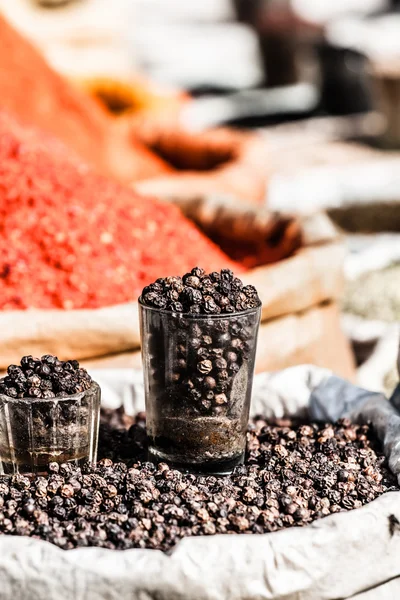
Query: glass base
x,y
219,466
33,464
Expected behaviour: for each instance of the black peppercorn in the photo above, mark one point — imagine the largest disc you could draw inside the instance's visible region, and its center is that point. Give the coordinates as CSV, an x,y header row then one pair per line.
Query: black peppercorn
x,y
205,366
195,343
233,368
190,295
210,306
191,281
34,381
222,375
195,395
209,383
198,272
155,299
216,352
231,357
221,399
220,363
225,288
11,391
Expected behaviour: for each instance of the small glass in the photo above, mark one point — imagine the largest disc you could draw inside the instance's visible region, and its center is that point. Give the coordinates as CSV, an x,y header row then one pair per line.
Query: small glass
x,y
198,376
36,431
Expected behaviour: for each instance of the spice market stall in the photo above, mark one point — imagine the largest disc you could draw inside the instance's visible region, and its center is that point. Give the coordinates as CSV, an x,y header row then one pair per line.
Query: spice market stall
x,y
92,269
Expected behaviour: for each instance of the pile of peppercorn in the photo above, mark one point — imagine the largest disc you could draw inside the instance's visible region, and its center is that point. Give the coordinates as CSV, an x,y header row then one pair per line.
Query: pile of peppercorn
x,y
293,474
198,293
45,377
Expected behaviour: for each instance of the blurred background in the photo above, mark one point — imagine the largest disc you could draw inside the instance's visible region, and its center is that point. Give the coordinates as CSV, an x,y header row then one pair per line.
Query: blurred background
x,y
314,88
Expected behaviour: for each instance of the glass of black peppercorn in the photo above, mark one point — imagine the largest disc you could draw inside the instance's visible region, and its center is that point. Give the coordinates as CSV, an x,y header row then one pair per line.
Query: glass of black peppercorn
x,y
199,337
49,412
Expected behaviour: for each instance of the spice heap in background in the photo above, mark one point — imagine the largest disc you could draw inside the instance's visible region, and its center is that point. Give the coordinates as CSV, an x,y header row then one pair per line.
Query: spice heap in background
x,y
375,296
88,42
41,97
88,241
294,474
371,302
138,99
121,148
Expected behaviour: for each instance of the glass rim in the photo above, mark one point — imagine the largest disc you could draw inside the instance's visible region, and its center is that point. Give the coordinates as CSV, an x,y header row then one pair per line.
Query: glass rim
x,y
31,399
188,315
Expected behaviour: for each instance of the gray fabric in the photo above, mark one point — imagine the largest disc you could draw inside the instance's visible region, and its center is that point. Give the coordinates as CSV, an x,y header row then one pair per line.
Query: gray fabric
x,y
352,554
395,398
336,398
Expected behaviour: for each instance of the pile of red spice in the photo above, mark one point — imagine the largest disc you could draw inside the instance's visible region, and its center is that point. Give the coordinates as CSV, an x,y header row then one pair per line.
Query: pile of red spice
x,y
71,239
32,91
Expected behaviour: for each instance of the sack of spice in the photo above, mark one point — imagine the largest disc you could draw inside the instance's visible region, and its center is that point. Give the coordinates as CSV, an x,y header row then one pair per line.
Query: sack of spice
x,y
219,161
329,558
135,96
371,306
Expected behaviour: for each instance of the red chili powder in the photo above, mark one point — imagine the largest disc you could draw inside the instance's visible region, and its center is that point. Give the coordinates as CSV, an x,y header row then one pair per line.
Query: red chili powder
x,y
70,238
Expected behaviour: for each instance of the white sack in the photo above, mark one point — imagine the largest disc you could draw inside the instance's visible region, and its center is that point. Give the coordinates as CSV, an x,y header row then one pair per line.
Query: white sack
x,y
345,555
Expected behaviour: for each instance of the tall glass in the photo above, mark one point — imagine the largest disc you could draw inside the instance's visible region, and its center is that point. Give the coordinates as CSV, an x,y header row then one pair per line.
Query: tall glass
x,y
198,376
35,432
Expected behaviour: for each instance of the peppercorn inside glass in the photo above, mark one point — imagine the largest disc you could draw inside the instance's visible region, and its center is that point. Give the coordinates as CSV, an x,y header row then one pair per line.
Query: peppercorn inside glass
x,y
199,336
49,412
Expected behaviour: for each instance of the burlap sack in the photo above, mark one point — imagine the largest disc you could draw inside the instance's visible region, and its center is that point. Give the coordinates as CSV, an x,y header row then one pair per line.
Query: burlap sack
x,y
216,161
347,555
134,97
371,305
